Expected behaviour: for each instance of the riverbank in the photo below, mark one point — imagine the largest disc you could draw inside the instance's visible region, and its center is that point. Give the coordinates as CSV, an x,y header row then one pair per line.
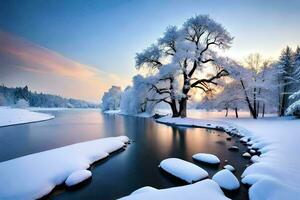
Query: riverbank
x,y
36,175
13,116
274,175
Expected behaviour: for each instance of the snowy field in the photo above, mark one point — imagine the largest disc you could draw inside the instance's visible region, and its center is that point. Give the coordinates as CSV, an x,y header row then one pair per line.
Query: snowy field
x,y
275,173
12,116
35,175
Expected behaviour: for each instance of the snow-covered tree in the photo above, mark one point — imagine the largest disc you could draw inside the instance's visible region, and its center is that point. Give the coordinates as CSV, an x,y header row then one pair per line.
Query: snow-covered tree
x,y
294,108
183,60
111,99
134,99
22,103
285,78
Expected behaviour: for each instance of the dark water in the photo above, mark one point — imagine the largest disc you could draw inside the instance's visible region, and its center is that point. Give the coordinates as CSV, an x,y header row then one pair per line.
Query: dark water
x,y
127,170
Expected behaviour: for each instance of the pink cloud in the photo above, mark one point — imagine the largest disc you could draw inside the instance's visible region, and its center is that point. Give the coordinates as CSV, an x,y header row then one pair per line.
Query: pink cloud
x,y
28,57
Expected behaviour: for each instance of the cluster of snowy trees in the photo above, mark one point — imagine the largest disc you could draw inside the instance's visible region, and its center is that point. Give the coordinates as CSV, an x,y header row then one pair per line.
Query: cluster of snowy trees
x,y
111,99
23,97
260,86
185,61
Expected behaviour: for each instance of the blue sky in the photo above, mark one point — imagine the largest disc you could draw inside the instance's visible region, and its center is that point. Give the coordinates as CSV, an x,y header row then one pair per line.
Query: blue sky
x,y
105,35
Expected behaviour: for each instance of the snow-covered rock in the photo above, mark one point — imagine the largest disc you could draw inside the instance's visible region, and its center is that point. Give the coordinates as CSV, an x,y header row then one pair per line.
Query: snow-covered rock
x,y
206,189
144,189
229,167
234,148
35,175
12,116
246,155
226,180
184,170
78,177
206,158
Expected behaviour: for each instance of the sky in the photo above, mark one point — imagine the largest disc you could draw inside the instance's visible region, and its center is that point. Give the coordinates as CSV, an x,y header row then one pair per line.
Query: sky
x,y
79,48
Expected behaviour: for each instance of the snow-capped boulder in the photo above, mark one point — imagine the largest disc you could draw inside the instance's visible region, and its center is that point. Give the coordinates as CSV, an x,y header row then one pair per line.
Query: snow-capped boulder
x,y
206,158
144,189
233,148
78,177
229,167
246,155
184,170
226,180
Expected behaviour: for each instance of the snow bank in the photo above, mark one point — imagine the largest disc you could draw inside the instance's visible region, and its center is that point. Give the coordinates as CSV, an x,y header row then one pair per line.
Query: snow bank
x,y
206,189
278,141
184,170
78,177
12,116
206,158
226,180
35,175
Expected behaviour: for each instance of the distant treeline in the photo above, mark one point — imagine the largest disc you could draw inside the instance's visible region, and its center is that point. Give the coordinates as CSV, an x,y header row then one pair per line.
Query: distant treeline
x,y
11,96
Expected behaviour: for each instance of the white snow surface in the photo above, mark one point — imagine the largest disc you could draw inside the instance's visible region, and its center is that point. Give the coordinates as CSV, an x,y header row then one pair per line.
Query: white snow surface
x,y
206,189
184,170
78,177
12,116
207,158
35,175
144,189
226,180
276,138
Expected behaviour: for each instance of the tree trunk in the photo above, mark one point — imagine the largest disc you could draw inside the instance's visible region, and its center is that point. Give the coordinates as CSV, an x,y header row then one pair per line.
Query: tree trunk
x,y
263,111
182,107
284,100
236,112
226,114
175,112
252,112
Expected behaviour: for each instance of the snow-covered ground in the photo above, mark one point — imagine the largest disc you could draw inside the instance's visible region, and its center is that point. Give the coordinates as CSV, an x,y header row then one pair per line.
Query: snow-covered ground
x,y
206,189
275,175
12,116
35,175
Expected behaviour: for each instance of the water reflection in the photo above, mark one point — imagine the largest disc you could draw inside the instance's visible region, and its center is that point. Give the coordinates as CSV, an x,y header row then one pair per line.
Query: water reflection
x,y
125,171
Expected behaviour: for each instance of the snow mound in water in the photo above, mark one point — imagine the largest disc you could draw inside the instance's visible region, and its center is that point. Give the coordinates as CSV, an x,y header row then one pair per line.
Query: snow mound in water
x,y
78,177
144,189
229,167
206,158
226,180
206,189
184,170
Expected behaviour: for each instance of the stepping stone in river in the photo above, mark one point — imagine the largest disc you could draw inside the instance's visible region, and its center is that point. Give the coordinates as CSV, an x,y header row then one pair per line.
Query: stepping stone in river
x,y
226,180
183,170
207,158
233,148
246,155
229,167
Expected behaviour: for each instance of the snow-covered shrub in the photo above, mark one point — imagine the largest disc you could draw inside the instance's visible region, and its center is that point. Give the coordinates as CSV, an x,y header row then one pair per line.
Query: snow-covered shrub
x,y
111,99
22,103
